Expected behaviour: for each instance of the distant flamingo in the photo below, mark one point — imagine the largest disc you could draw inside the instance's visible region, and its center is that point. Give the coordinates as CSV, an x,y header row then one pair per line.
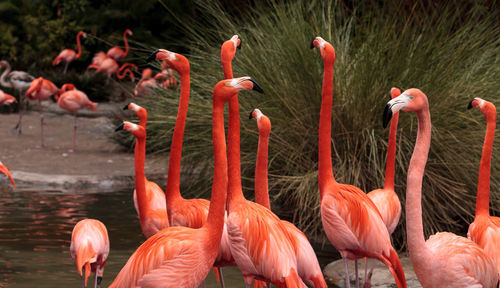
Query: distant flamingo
x,y
445,259
182,256
5,170
151,208
41,89
307,263
90,249
18,80
167,78
97,60
485,230
386,199
116,52
110,67
351,221
147,82
68,55
6,99
73,101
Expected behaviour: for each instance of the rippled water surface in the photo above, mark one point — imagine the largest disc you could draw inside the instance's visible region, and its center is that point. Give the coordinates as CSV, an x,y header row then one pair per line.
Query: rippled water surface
x,y
35,235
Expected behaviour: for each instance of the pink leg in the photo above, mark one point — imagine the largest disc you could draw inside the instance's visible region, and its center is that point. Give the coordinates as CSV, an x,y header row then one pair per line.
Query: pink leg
x,y
74,134
83,273
96,272
41,125
356,269
22,108
347,279
203,284
66,67
368,278
221,277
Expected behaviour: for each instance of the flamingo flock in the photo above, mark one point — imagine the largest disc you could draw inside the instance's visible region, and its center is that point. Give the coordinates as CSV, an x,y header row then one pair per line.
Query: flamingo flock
x,y
188,238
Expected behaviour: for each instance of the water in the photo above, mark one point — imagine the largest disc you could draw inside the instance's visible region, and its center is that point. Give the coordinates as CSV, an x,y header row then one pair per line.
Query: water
x,y
35,235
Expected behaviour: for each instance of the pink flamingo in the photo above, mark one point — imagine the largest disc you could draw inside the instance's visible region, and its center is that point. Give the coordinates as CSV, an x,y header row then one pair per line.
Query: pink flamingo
x,y
68,55
90,249
6,99
307,263
110,67
5,170
485,230
73,101
41,89
351,221
445,258
386,199
116,52
147,82
166,77
97,60
183,256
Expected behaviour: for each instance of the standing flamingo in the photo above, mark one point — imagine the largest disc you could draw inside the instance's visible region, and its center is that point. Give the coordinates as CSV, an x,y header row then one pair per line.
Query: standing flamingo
x,y
110,67
97,60
5,170
68,55
147,82
307,263
90,249
485,230
386,199
351,221
445,259
150,208
73,101
116,52
18,80
6,99
41,89
183,256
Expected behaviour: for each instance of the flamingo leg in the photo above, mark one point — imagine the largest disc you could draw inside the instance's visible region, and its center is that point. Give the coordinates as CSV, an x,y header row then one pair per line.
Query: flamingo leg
x,y
356,269
203,284
96,273
41,124
347,279
221,277
74,133
66,67
22,108
368,278
83,273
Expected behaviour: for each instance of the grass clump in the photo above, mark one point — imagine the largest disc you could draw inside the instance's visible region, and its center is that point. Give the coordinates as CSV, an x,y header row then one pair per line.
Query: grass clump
x,y
450,51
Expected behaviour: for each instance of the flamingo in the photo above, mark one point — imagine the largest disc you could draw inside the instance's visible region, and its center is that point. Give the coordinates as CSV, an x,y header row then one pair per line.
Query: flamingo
x,y
110,67
116,52
90,249
485,230
6,99
307,263
97,60
73,101
351,221
167,78
5,170
68,55
386,199
445,259
18,80
183,256
147,81
41,89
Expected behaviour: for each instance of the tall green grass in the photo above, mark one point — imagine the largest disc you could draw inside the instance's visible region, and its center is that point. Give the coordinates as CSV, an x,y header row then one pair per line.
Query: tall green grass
x,y
451,52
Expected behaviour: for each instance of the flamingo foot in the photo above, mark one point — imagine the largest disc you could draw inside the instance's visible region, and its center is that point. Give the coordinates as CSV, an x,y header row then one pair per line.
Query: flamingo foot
x,y
71,150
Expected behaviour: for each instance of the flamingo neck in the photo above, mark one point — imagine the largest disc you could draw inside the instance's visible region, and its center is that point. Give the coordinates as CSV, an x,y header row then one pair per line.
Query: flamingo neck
x,y
483,185
3,81
172,190
325,173
391,153
215,218
126,44
419,253
140,176
261,184
124,73
79,46
227,68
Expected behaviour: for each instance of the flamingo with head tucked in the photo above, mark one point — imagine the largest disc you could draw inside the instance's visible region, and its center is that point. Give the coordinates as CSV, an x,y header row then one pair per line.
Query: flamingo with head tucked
x,y
485,230
147,82
110,67
351,221
116,52
445,259
5,170
6,99
69,55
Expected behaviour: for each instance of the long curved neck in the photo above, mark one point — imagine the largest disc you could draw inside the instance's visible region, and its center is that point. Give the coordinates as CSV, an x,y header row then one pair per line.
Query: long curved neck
x,y
140,176
174,164
126,44
325,173
391,153
261,184
419,253
483,185
3,81
124,73
79,46
215,218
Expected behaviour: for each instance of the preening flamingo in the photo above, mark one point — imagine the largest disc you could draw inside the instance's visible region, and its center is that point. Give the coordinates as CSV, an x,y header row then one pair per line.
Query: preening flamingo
x,y
307,263
386,199
147,82
90,249
97,60
351,221
41,89
73,101
5,170
183,256
445,259
110,67
167,78
116,52
18,80
68,55
6,99
485,230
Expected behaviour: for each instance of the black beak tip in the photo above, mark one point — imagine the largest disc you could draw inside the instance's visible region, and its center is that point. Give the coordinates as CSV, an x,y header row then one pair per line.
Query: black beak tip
x,y
120,127
241,42
387,116
125,107
256,86
470,105
312,43
152,57
250,116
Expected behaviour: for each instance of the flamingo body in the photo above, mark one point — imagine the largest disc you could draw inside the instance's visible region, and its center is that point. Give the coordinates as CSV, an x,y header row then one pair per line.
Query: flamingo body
x,y
69,55
118,53
6,99
485,232
75,100
389,206
41,89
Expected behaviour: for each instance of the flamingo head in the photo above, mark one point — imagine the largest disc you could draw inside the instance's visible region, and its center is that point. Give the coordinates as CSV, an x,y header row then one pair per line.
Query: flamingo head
x,y
173,60
64,88
263,122
228,49
128,32
326,49
412,100
488,108
81,33
137,130
147,73
4,63
229,87
5,170
141,112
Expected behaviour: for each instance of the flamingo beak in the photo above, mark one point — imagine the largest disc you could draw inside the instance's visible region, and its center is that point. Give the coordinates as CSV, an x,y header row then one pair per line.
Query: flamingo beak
x,y
256,86
470,104
239,45
126,107
152,57
251,115
387,115
120,127
312,43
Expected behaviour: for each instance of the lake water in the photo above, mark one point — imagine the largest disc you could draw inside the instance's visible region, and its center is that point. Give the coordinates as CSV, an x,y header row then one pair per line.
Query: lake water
x,y
35,235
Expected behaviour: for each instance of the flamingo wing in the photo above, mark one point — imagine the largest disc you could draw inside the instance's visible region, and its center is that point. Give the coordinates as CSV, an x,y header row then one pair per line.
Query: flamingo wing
x,y
155,196
116,53
191,213
388,205
486,234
